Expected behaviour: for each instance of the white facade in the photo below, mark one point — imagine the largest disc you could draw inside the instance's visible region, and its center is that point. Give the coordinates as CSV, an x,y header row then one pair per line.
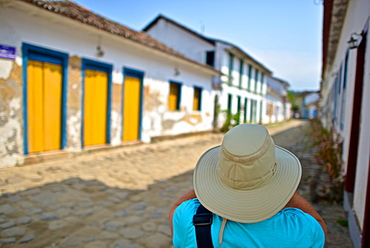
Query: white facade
x,y
243,83
277,106
23,23
345,103
179,40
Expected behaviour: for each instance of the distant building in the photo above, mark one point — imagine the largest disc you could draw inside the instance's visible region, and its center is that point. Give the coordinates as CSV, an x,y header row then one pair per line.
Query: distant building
x,y
345,103
243,85
307,102
278,108
310,107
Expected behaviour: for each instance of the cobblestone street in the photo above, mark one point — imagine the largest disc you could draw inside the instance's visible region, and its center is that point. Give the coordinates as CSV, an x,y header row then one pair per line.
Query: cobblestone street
x,y
121,197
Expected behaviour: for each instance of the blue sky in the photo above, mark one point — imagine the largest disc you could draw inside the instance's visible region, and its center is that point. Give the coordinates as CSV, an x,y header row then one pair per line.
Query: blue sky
x,y
283,35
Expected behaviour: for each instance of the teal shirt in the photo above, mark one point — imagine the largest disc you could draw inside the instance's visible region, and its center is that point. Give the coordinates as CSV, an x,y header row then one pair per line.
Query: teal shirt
x,y
290,227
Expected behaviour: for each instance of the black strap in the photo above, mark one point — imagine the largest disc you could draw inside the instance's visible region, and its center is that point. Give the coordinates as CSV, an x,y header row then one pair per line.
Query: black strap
x,y
202,221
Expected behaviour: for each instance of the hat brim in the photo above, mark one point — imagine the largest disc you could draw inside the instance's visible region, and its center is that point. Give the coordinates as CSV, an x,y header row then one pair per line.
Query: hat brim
x,y
246,206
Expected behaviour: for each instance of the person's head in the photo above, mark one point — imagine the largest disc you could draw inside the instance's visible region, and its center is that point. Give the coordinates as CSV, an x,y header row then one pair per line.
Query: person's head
x,y
247,178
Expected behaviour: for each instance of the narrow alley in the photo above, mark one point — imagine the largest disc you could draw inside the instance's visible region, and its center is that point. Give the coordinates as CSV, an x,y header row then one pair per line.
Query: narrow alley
x,y
121,197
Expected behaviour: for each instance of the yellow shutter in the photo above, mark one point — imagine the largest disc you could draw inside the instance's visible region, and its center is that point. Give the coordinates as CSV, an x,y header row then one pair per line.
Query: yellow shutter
x,y
196,99
131,109
95,107
52,105
34,106
173,97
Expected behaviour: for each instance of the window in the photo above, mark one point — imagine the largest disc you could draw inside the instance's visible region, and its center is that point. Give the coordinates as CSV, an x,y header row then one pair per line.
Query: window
x,y
262,79
239,109
261,105
229,103
256,81
249,76
344,78
231,67
241,74
197,101
174,96
210,58
245,109
253,108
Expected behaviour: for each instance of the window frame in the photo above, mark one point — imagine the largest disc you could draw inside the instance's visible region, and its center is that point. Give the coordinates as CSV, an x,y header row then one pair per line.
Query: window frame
x,y
231,68
241,65
250,69
256,76
32,52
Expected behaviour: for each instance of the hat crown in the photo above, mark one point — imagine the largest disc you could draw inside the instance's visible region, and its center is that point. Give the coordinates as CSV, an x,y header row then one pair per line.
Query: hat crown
x,y
247,157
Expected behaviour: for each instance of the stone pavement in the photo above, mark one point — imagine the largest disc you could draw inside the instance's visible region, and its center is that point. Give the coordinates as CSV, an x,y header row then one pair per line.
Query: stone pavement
x,y
121,197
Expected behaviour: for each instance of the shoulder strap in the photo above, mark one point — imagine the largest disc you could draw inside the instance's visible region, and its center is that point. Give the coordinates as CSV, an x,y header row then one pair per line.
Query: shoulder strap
x,y
202,221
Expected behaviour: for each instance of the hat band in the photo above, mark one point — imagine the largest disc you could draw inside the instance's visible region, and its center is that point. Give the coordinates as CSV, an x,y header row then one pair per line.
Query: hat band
x,y
246,185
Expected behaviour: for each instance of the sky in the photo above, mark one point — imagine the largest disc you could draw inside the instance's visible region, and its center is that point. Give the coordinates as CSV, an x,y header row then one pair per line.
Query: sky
x,y
283,35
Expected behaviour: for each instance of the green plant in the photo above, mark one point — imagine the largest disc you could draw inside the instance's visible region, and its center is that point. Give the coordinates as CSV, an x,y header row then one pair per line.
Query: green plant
x,y
230,121
293,100
328,184
342,222
328,149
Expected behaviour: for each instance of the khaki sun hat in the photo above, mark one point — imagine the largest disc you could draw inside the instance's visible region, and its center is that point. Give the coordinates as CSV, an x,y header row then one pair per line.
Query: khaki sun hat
x,y
248,178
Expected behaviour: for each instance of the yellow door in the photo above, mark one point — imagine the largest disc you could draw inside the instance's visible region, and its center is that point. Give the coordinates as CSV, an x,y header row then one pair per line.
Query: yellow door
x,y
95,107
44,106
131,109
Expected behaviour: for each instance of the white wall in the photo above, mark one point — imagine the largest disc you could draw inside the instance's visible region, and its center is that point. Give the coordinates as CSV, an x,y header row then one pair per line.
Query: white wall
x,y
180,40
194,46
75,39
356,18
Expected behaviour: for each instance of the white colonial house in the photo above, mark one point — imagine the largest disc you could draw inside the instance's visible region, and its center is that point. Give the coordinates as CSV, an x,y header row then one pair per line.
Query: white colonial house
x,y
278,108
71,80
242,87
345,103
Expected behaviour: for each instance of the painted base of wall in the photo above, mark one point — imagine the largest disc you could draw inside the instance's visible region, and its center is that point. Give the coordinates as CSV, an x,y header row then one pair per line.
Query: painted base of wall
x,y
354,229
55,155
169,137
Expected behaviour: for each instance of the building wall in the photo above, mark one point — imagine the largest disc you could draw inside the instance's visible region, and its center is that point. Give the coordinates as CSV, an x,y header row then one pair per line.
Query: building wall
x,y
275,109
193,46
179,40
310,102
78,41
234,88
338,98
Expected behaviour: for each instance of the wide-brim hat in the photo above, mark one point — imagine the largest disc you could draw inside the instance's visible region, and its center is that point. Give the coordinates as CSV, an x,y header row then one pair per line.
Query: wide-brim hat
x,y
247,178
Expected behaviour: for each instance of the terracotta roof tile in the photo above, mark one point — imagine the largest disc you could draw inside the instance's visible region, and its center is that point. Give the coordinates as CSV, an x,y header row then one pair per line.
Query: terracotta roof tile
x,y
79,13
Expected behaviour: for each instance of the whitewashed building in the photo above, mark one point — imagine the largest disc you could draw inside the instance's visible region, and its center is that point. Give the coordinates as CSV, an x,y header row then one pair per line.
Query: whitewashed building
x,y
345,103
310,105
278,108
71,80
242,87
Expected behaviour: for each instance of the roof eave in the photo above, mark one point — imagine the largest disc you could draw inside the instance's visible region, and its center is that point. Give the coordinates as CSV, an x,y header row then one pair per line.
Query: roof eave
x,y
175,55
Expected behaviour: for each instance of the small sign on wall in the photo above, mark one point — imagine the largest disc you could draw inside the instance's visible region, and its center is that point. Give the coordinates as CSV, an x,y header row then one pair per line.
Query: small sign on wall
x,y
7,52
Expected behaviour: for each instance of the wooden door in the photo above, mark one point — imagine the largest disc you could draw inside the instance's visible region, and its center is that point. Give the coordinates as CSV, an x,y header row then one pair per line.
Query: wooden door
x,y
131,108
95,107
44,106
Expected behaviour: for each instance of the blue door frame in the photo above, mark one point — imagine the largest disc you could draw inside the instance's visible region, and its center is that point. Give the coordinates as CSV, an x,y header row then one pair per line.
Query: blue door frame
x,y
32,52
